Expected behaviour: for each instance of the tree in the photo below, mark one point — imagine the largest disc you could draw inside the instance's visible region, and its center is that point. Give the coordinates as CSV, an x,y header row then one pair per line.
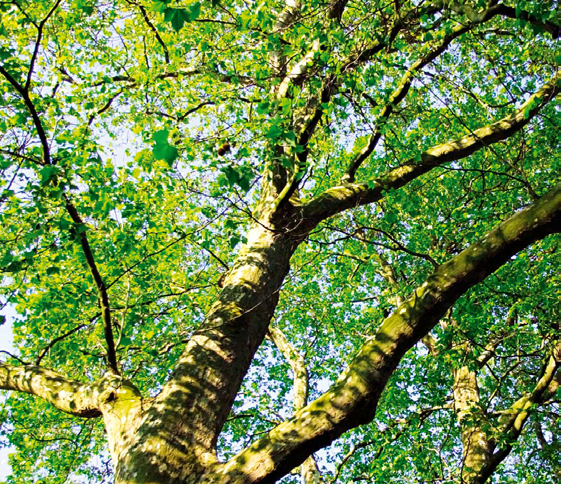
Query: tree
x,y
212,212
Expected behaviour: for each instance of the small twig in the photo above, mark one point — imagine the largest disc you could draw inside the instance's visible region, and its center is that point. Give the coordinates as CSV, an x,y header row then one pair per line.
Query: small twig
x,y
14,357
38,44
60,338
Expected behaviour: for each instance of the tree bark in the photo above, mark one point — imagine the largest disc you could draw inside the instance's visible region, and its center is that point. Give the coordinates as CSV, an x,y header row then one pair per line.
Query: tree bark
x,y
176,438
172,440
352,400
477,448
309,469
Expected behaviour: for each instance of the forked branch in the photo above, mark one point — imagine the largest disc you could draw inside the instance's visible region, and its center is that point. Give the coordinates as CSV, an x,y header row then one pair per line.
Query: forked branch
x,y
343,197
352,400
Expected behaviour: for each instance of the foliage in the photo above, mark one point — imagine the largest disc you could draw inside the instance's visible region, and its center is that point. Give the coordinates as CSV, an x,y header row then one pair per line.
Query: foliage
x,y
120,109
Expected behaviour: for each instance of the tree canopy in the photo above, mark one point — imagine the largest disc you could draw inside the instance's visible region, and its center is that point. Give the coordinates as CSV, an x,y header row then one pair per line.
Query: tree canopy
x,y
299,241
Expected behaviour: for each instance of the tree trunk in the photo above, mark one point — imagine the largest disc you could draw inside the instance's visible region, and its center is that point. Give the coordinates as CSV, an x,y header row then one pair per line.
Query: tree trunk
x,y
176,438
172,439
477,449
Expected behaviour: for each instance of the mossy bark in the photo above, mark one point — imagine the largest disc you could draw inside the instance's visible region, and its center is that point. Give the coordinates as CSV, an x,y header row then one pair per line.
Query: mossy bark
x,y
176,438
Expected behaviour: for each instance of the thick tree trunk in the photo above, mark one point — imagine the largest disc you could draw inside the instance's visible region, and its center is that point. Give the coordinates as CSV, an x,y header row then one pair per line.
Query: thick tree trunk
x,y
352,400
176,438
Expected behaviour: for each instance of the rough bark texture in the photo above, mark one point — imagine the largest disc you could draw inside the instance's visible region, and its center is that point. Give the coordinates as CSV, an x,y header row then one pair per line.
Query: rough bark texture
x,y
352,400
176,438
477,448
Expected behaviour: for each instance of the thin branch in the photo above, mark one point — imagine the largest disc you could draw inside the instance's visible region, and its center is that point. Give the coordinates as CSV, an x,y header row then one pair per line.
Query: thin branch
x,y
397,96
103,296
60,338
422,414
34,115
401,247
14,357
153,29
184,115
38,44
337,199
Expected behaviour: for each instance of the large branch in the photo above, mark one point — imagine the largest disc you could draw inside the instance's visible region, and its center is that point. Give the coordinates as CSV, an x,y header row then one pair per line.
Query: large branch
x,y
118,400
474,15
193,405
70,396
348,195
352,400
553,28
512,422
477,447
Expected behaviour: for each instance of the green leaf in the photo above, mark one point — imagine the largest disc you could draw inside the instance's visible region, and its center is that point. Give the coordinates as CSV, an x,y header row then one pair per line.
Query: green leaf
x,y
274,132
263,107
161,149
245,18
195,11
159,5
126,341
177,17
231,174
48,173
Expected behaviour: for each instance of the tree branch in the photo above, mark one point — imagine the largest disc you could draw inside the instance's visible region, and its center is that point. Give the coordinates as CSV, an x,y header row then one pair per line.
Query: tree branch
x,y
70,396
343,197
512,421
102,289
477,447
352,400
152,28
397,96
60,338
505,11
34,114
40,28
308,470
